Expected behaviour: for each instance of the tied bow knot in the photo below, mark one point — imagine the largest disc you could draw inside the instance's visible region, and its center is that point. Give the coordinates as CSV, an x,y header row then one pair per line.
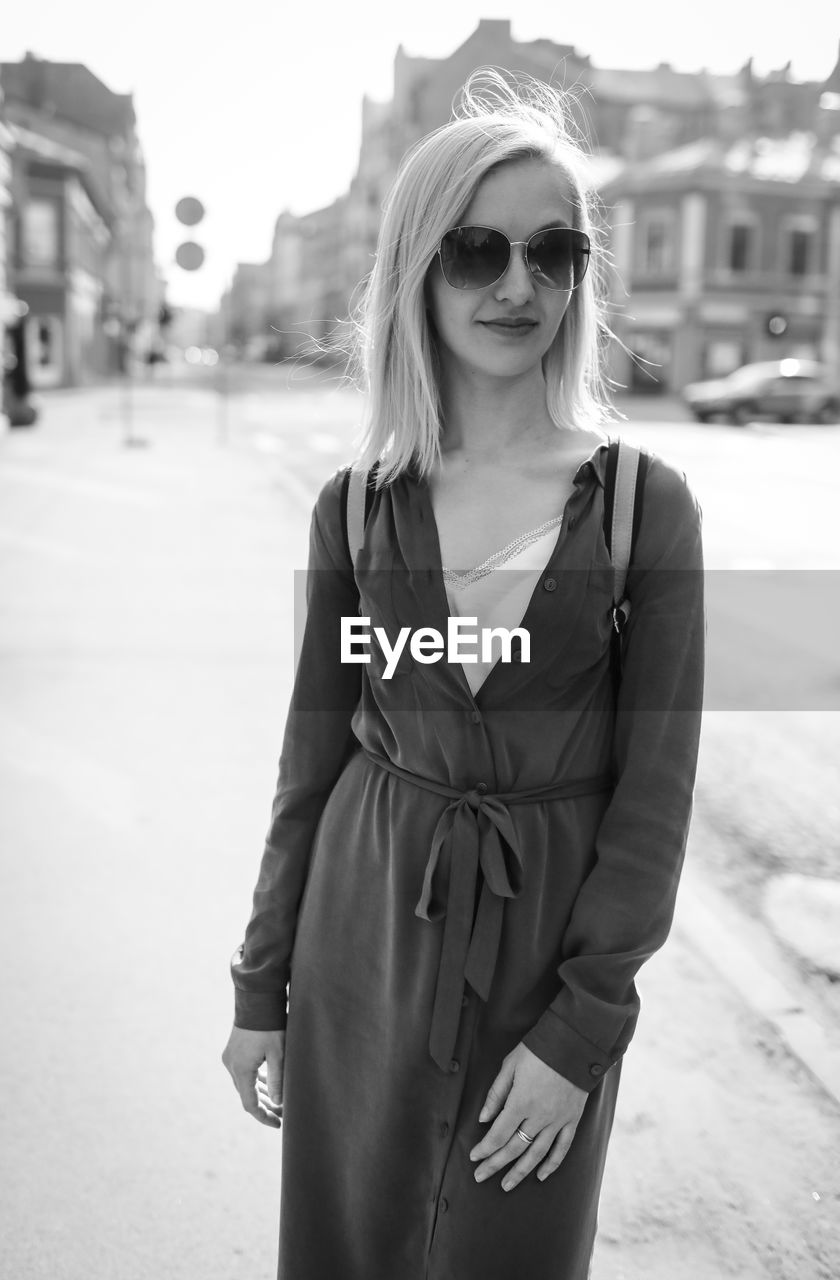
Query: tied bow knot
x,y
478,827
475,831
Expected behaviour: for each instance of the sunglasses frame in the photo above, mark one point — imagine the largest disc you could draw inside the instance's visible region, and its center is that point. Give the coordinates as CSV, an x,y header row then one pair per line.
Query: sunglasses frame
x,y
512,244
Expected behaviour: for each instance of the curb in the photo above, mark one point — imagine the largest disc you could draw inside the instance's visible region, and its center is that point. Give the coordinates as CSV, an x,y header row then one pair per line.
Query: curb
x,y
750,960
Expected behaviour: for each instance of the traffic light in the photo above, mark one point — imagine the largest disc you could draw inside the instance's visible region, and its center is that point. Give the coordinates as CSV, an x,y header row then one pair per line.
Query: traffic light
x,y
189,211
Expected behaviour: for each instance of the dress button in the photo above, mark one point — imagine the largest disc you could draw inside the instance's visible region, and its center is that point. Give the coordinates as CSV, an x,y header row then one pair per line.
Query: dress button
x,y
481,788
550,584
475,716
454,1066
444,1129
444,1206
596,1069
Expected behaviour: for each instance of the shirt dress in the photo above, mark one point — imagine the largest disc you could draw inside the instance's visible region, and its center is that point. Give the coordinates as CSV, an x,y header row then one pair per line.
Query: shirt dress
x,y
449,873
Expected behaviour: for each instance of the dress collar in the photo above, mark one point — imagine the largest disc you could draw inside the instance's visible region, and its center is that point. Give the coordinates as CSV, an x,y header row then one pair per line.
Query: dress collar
x,y
596,462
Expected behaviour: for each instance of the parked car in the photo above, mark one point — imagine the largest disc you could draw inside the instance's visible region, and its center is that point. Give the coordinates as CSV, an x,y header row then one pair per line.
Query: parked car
x,y
781,390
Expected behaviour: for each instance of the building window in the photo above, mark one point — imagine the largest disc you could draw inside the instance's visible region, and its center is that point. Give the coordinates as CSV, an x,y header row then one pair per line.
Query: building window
x,y
741,246
40,234
658,243
798,245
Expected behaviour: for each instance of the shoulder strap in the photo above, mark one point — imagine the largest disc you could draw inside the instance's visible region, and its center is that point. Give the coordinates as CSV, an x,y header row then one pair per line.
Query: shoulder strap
x,y
621,541
355,512
623,496
358,498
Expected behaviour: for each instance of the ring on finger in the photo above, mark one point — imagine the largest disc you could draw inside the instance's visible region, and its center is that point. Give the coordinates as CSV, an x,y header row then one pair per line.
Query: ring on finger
x,y
520,1133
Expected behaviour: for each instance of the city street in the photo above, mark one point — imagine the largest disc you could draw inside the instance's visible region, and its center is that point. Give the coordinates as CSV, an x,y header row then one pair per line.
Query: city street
x,y
148,542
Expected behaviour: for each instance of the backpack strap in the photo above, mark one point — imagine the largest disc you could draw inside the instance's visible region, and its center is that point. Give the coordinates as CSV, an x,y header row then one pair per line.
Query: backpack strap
x,y
624,466
355,512
623,494
358,497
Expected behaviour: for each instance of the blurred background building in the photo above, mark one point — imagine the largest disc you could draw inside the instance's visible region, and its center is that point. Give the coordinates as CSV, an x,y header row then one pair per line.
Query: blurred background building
x,y
79,256
722,192
721,198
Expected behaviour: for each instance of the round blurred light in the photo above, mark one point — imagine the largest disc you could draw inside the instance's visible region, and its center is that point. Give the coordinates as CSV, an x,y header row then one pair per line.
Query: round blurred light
x,y
189,211
189,255
209,356
192,355
777,325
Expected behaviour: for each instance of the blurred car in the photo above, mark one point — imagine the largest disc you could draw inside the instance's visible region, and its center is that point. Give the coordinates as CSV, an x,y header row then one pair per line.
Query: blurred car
x,y
781,390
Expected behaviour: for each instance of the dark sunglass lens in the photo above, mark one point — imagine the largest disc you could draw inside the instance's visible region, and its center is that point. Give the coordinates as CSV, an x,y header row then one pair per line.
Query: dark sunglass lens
x,y
472,257
559,257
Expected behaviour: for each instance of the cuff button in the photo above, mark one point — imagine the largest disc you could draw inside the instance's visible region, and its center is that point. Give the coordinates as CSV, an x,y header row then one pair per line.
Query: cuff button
x,y
596,1069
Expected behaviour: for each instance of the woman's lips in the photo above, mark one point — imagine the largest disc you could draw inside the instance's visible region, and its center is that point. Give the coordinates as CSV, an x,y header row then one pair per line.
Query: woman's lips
x,y
510,328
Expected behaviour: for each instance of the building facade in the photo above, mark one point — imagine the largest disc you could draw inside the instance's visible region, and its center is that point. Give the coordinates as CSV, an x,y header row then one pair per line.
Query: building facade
x,y
9,304
289,304
58,246
81,166
724,254
720,189
247,309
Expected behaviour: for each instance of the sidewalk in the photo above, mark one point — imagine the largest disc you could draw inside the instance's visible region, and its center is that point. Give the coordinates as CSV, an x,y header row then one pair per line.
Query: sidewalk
x,y
750,947
756,962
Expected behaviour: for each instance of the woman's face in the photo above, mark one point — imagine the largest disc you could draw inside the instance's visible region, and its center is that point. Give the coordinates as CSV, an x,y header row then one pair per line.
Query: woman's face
x,y
474,326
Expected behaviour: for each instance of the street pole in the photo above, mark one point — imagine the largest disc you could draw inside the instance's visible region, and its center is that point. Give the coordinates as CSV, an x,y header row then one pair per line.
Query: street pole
x,y
130,322
127,398
222,380
130,440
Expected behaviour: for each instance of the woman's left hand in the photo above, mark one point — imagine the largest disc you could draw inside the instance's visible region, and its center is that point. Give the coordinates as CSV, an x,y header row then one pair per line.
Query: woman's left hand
x,y
528,1095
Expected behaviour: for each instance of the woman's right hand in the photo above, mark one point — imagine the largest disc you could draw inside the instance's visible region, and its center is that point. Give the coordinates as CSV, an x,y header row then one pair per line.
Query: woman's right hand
x,y
255,1062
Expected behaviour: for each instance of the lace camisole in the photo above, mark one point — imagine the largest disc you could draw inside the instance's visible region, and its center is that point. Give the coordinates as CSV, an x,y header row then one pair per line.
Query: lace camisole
x,y
496,596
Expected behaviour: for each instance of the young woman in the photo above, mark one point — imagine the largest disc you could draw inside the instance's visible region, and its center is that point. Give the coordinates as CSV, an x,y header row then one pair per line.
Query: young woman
x,y
468,862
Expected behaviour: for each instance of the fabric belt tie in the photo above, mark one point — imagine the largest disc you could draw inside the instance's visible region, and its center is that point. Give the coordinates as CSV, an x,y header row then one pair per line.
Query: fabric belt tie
x,y
474,831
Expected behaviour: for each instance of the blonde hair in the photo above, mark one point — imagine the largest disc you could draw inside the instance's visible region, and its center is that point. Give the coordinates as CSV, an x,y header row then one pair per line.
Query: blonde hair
x,y
393,352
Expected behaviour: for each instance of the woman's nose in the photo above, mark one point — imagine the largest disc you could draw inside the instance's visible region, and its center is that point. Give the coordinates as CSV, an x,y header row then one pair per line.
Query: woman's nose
x,y
517,284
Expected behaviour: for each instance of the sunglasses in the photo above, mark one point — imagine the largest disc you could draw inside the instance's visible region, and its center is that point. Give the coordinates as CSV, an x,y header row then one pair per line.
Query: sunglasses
x,y
475,257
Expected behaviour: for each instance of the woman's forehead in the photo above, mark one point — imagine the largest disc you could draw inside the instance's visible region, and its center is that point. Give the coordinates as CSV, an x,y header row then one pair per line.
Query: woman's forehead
x,y
531,192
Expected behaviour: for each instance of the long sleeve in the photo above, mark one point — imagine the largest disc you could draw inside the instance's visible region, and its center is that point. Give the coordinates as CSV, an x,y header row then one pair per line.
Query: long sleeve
x,y
625,906
317,742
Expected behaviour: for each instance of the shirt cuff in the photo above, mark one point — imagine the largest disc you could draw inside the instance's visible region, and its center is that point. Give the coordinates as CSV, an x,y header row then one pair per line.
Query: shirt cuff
x,y
259,1010
567,1053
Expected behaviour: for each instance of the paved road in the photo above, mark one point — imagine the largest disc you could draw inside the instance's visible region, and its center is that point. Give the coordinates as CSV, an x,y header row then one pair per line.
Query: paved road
x,y
145,662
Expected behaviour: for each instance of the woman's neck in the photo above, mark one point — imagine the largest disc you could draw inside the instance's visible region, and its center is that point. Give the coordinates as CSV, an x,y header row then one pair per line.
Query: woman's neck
x,y
487,418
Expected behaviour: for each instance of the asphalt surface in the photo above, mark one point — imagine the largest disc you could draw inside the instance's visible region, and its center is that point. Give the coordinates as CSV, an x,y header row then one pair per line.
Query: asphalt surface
x,y
146,564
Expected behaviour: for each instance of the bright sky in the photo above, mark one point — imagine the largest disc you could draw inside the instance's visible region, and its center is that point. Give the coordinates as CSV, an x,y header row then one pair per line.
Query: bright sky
x,y
255,106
